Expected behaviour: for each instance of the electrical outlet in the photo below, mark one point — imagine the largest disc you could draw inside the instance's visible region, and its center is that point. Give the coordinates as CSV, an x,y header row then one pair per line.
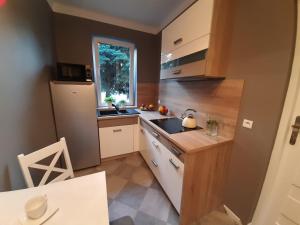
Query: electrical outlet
x,y
247,123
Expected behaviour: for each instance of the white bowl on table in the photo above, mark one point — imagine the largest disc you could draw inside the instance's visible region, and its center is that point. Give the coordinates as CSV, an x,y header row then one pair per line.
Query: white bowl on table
x,y
36,207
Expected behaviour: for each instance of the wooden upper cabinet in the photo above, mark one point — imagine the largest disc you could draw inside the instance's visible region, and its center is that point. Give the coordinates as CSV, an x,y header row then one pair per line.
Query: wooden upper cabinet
x,y
196,43
188,33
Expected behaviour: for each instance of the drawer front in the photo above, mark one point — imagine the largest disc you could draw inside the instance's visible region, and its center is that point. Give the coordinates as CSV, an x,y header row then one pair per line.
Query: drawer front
x,y
158,136
183,30
116,140
114,122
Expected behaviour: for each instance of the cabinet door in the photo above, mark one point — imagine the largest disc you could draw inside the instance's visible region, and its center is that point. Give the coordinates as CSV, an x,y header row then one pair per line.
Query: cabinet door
x,y
192,25
172,176
116,140
170,170
194,68
143,145
142,139
167,168
149,155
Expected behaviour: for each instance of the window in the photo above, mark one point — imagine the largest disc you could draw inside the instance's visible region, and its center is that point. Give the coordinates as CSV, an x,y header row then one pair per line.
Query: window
x,y
114,63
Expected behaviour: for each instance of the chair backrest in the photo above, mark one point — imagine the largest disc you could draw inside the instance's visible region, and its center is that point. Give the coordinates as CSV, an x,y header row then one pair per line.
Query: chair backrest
x,y
31,161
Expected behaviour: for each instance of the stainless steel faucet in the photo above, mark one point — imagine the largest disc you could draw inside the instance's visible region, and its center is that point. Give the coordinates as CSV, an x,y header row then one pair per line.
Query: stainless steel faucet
x,y
116,107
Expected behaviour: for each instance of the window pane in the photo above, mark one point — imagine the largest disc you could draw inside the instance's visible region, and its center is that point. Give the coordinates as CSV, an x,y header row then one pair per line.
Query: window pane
x,y
114,72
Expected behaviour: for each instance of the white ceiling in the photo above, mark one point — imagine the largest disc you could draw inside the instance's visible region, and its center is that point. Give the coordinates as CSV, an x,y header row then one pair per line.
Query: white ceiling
x,y
144,15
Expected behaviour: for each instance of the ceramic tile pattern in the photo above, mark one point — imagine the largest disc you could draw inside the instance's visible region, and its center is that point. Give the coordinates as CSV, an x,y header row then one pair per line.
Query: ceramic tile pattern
x,y
133,191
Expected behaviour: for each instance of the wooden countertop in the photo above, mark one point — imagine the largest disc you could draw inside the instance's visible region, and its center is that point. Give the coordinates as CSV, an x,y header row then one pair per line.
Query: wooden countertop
x,y
189,142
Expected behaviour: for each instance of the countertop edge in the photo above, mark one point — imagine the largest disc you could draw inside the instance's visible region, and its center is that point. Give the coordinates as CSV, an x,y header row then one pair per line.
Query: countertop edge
x,y
116,117
168,136
189,151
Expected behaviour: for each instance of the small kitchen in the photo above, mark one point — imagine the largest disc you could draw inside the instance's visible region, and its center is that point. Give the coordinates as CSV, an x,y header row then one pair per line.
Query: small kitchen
x,y
162,112
178,113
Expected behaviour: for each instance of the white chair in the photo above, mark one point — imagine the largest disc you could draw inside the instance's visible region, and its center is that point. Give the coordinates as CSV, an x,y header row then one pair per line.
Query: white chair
x,y
31,161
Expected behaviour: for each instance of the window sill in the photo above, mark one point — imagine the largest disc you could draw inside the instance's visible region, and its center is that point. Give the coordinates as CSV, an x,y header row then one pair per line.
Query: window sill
x,y
112,108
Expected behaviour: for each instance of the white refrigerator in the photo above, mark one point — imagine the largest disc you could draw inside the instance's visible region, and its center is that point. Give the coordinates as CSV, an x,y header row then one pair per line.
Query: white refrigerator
x,y
75,111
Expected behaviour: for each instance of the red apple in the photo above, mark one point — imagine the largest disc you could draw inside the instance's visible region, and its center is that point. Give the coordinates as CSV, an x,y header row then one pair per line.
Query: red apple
x,y
163,110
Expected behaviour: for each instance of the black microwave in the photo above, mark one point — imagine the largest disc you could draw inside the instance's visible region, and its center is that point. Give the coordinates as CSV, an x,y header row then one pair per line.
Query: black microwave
x,y
73,72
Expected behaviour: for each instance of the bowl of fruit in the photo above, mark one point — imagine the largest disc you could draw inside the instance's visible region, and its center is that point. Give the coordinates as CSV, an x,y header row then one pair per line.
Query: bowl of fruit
x,y
147,107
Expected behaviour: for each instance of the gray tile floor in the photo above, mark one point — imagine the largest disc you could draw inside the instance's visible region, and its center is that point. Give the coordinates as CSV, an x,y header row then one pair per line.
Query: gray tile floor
x,y
133,191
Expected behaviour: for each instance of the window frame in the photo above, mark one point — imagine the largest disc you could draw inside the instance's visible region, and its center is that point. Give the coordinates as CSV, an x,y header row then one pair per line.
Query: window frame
x,y
132,71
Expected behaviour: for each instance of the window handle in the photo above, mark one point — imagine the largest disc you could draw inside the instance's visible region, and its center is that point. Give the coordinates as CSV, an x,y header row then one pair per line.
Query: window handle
x,y
295,131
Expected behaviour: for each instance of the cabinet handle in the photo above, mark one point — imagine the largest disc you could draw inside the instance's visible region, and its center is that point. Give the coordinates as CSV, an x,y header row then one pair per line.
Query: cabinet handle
x,y
154,144
142,131
178,41
173,164
177,72
175,151
117,130
155,134
154,163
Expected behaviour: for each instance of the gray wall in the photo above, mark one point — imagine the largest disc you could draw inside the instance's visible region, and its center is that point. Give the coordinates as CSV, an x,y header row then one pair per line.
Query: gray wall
x,y
25,104
261,53
73,40
262,45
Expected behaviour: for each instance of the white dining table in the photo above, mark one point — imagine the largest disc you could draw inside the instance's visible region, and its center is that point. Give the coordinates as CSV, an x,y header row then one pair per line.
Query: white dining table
x,y
81,201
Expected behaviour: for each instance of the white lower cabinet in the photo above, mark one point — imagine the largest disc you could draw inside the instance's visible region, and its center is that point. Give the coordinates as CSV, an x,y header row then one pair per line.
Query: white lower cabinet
x,y
172,175
116,140
166,167
148,154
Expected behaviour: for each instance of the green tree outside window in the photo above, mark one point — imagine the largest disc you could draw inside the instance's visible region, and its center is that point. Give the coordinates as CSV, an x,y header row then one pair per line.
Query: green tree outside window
x,y
114,69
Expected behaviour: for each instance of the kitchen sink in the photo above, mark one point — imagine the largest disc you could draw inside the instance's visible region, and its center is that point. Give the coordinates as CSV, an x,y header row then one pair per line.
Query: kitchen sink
x,y
117,113
122,111
108,113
